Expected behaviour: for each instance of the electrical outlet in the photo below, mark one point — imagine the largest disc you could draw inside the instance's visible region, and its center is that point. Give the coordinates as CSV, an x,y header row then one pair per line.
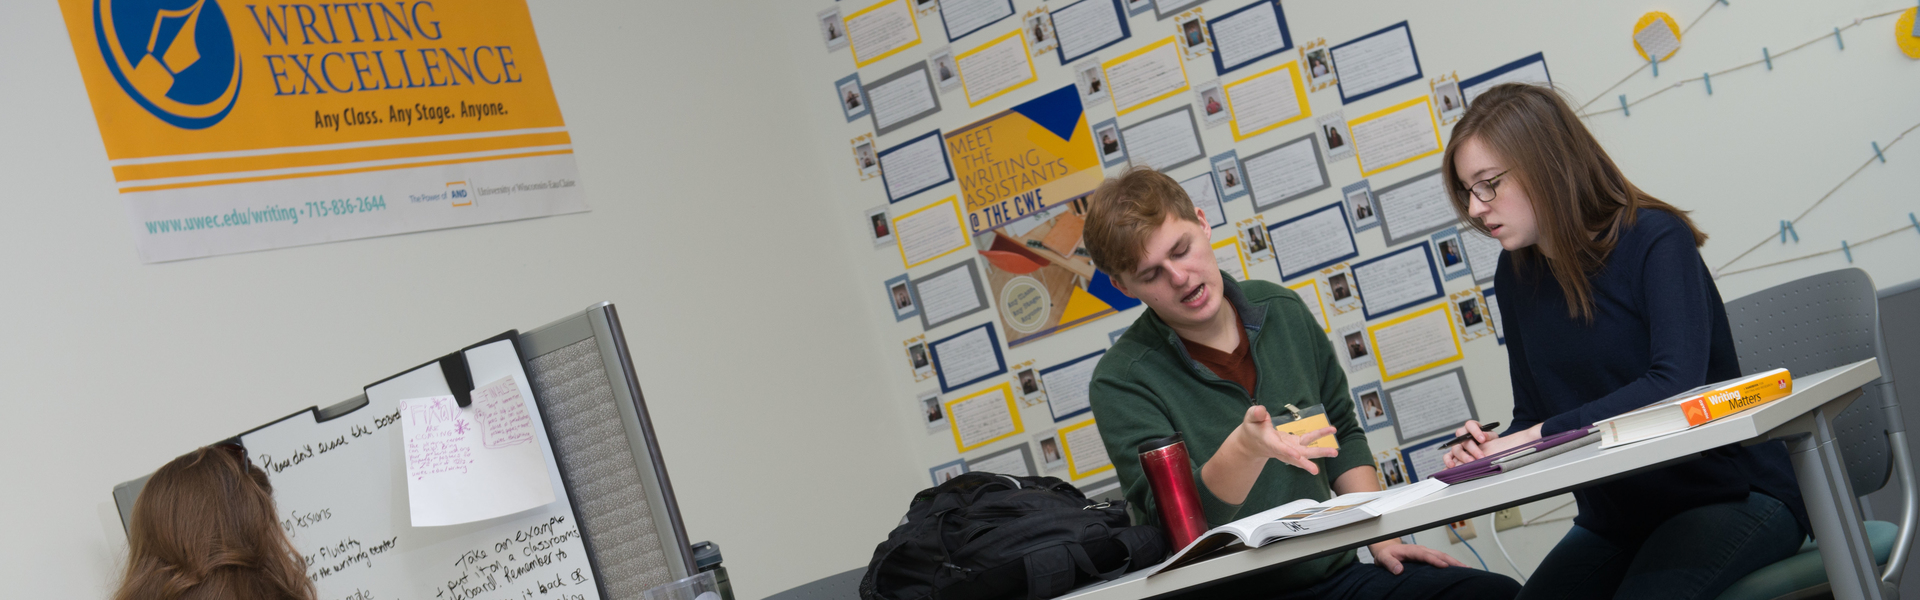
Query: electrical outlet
x,y
1507,519
1462,530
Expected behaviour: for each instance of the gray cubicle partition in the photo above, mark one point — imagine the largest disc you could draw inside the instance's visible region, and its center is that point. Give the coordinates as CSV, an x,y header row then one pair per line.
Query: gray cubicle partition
x,y
603,440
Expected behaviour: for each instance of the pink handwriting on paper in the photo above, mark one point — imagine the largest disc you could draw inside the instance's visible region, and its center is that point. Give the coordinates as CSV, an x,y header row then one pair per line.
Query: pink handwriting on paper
x,y
503,414
436,437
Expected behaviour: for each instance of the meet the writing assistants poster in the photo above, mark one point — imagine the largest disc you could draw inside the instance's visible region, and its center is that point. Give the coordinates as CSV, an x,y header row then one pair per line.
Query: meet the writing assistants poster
x,y
235,127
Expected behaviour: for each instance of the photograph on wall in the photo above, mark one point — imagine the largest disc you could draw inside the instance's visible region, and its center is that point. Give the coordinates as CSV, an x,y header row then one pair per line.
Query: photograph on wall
x,y
1350,342
1451,253
1317,64
1041,278
1360,205
1342,298
1367,401
926,7
1212,103
1393,471
1026,384
1039,31
1092,82
853,98
1254,240
1470,310
1193,34
900,297
1051,458
1228,173
833,30
880,226
918,360
948,471
1446,98
1338,139
1107,136
864,158
928,403
946,75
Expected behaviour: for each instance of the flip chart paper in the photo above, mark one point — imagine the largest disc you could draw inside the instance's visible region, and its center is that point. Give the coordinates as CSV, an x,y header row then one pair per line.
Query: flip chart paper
x,y
481,462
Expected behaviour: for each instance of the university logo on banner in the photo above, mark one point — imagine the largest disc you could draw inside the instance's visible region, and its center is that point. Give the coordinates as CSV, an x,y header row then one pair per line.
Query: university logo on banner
x,y
239,127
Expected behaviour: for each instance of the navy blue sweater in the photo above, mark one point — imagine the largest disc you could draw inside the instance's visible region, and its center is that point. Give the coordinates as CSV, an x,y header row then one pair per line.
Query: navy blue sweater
x,y
1659,328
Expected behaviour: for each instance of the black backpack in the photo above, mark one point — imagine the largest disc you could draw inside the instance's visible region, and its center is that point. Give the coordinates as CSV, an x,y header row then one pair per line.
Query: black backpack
x,y
986,535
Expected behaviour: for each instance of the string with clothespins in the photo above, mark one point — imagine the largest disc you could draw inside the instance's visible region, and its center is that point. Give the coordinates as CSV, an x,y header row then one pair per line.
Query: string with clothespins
x,y
1767,57
1655,63
1846,247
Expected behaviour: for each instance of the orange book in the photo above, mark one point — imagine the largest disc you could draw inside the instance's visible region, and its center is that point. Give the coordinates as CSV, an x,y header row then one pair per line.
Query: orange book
x,y
1696,407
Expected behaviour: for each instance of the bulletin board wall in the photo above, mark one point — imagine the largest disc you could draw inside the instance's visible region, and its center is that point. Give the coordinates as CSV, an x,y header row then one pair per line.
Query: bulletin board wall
x,y
1798,135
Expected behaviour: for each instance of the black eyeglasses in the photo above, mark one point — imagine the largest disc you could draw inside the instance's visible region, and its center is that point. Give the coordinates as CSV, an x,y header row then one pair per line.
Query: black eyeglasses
x,y
1487,189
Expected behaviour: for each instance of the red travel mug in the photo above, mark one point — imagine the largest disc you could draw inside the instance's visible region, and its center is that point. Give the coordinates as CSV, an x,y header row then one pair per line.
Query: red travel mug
x,y
1170,475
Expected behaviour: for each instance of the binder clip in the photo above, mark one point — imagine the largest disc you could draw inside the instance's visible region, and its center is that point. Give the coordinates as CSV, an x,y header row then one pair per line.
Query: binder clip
x,y
1786,227
1656,66
459,377
1837,39
1708,77
1914,221
1764,53
1876,153
1848,250
1623,106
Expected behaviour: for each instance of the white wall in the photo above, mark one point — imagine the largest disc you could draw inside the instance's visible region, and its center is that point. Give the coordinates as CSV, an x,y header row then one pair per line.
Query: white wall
x,y
726,226
707,231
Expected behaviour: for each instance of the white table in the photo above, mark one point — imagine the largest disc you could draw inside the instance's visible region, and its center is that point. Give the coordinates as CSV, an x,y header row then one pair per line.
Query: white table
x,y
1803,420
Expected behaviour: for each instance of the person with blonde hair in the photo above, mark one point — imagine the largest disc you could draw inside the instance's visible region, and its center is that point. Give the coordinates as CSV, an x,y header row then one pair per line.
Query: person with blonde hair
x,y
205,528
1606,307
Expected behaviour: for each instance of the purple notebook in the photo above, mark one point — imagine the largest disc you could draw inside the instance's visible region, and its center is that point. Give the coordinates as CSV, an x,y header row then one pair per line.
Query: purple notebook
x,y
1519,456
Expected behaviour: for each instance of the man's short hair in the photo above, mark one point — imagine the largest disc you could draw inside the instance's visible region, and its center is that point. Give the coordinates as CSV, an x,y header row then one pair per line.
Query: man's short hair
x,y
1124,211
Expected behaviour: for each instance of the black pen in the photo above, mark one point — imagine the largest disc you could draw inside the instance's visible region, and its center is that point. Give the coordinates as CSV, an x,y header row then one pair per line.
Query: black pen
x,y
1485,427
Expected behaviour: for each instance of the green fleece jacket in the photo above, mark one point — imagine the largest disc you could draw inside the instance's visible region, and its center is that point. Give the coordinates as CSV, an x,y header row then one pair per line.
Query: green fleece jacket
x,y
1147,387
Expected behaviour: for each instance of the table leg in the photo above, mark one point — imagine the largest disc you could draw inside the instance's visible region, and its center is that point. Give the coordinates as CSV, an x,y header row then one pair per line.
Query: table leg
x,y
1831,507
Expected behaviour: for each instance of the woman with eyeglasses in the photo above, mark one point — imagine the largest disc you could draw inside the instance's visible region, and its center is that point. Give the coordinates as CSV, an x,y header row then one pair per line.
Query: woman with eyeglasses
x,y
204,528
1607,307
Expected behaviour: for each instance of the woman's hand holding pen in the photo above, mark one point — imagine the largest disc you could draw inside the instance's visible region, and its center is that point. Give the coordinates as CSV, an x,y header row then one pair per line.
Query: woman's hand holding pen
x,y
1483,443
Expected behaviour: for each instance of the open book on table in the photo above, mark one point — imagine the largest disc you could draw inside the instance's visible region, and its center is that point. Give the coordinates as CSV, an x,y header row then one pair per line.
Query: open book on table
x,y
1296,518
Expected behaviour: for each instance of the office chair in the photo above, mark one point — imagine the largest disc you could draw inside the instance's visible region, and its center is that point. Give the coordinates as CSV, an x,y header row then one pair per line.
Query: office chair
x,y
1810,325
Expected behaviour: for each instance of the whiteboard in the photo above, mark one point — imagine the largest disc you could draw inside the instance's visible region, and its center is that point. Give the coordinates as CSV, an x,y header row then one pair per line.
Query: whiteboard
x,y
342,493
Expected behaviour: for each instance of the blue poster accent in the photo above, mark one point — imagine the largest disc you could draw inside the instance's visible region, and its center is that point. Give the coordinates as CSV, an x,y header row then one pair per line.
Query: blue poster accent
x,y
1102,287
1058,111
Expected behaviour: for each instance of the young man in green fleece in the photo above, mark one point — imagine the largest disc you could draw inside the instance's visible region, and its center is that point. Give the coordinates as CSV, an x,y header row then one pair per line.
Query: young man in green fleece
x,y
1218,360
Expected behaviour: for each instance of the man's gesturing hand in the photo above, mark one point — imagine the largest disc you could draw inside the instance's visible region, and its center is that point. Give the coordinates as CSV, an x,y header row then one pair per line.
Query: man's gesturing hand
x,y
1256,437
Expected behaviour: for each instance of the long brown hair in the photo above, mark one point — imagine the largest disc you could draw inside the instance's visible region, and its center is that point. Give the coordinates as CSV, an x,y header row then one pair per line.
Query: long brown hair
x,y
204,528
1581,201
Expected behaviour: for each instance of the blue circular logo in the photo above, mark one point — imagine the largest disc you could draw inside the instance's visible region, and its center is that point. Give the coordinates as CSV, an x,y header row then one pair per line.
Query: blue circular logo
x,y
174,57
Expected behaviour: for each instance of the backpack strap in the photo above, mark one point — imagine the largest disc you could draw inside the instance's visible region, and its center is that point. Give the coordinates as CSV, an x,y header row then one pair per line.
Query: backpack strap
x,y
1053,571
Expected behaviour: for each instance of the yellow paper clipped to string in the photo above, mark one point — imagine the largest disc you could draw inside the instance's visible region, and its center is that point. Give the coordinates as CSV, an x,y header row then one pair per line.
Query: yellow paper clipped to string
x,y
1301,422
1656,36
1903,34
